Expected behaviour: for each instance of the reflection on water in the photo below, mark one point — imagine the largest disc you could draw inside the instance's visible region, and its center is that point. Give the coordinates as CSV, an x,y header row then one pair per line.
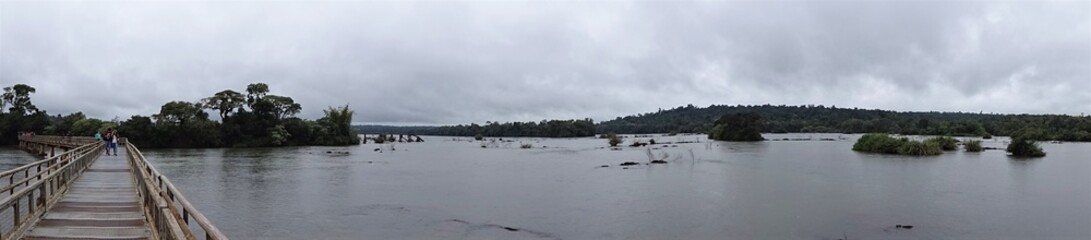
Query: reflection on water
x,y
446,189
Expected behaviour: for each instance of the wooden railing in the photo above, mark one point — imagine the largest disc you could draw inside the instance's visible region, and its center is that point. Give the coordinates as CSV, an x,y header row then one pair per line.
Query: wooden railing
x,y
169,212
69,141
29,197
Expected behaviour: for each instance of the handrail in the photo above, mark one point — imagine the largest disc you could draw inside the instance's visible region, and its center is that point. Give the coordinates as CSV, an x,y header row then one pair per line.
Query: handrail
x,y
50,164
71,141
40,195
166,208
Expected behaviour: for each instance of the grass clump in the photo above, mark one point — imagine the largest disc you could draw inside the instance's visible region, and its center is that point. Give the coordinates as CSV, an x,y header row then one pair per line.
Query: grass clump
x,y
973,146
917,148
945,143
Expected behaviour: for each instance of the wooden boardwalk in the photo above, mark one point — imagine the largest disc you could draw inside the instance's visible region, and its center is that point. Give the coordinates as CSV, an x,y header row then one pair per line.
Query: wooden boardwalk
x,y
101,204
77,192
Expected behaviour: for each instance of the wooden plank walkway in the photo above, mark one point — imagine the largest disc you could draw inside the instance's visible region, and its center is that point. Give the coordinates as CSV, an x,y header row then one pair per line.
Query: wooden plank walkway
x,y
101,204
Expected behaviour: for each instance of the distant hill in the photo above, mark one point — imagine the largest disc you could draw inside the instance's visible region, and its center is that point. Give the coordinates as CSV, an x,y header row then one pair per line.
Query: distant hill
x,y
782,119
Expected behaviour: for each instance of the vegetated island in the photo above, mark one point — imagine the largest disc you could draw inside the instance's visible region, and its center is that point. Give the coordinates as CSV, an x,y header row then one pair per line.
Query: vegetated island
x,y
253,119
884,143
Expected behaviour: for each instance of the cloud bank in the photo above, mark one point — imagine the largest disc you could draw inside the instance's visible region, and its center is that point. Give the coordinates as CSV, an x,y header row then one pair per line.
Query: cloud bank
x,y
459,62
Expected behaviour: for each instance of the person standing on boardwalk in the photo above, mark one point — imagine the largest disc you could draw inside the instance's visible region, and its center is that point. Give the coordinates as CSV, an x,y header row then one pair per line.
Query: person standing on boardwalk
x,y
113,140
108,138
98,136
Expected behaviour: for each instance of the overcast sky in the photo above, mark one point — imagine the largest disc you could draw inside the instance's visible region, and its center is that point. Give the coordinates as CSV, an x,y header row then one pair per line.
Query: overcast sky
x,y
460,62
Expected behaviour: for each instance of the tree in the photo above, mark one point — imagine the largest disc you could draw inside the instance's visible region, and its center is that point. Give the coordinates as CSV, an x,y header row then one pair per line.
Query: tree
x,y
6,98
179,112
140,130
738,127
63,125
283,107
255,92
226,102
86,127
18,97
336,127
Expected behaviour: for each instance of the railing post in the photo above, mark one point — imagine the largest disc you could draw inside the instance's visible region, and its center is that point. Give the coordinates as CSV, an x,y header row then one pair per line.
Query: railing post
x,y
15,208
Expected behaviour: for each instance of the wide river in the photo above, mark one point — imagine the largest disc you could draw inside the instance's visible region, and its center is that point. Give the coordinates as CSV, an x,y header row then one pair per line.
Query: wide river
x,y
452,188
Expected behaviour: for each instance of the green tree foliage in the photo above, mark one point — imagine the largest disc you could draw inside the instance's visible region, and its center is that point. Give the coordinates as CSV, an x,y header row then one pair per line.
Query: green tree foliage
x,y
18,96
142,130
1022,147
21,114
178,113
256,120
86,127
613,139
336,127
283,107
811,118
255,93
225,102
550,128
738,127
973,146
62,125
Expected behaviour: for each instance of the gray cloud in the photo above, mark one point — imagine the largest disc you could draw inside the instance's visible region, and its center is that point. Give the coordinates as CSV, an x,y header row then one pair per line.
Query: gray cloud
x,y
457,62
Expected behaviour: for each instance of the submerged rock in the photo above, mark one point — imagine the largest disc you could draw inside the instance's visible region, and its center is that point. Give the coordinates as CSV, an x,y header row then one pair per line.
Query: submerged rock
x,y
629,164
904,226
659,161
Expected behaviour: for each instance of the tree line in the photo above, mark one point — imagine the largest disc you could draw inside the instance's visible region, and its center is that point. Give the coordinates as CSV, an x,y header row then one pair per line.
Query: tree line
x,y
821,119
544,128
253,119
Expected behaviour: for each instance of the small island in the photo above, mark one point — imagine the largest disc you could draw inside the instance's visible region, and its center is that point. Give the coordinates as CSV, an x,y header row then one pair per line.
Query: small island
x,y
884,143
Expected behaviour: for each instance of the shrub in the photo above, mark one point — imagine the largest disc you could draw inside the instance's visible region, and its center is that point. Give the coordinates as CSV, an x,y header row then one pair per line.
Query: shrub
x,y
478,137
614,140
945,143
1021,147
973,146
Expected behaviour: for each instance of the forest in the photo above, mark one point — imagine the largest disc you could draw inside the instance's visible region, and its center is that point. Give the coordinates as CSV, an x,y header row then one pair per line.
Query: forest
x,y
782,119
821,119
253,119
